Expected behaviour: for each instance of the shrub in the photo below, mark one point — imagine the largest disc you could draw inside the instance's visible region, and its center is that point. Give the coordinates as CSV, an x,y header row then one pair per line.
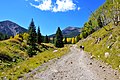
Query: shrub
x,y
31,51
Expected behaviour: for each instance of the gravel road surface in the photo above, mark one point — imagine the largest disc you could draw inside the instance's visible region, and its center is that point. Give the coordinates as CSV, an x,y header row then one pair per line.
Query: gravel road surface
x,y
77,65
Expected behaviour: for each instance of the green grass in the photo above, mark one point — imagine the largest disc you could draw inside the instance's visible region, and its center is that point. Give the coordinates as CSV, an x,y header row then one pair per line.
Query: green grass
x,y
30,64
23,64
9,50
99,49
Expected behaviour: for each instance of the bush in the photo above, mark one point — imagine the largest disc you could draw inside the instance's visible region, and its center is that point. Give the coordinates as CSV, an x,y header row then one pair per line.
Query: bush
x,y
18,37
31,51
24,45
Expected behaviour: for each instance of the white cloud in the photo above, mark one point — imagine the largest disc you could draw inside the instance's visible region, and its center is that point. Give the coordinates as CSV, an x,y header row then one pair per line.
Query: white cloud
x,y
64,5
58,6
78,8
37,0
43,5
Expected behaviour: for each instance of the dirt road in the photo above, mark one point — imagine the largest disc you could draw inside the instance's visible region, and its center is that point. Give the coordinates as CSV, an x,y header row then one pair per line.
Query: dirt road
x,y
77,65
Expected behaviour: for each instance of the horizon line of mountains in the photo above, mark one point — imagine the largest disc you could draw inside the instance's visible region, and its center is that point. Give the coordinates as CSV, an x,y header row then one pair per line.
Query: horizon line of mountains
x,y
11,29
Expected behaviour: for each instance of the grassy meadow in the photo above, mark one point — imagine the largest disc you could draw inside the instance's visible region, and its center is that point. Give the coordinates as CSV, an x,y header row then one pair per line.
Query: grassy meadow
x,y
16,62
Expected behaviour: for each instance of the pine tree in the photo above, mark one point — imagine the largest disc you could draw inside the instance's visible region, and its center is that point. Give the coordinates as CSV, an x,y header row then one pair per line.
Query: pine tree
x,y
59,38
39,36
3,36
32,33
77,38
100,24
90,22
46,39
53,39
32,39
91,27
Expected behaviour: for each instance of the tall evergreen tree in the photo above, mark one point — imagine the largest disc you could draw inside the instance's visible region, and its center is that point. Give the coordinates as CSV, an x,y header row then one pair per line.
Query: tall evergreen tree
x,y
32,39
3,36
46,39
99,20
90,22
77,38
91,27
39,36
53,39
59,38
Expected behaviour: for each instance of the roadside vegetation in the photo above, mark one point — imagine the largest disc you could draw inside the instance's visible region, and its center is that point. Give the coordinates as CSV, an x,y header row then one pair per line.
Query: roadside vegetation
x,y
24,52
101,42
13,72
101,34
15,61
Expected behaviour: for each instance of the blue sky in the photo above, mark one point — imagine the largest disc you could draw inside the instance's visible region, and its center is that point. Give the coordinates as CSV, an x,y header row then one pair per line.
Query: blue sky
x,y
48,14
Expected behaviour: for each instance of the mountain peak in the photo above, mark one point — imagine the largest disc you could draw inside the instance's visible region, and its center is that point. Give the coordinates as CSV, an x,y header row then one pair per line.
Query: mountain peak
x,y
11,28
71,28
70,31
6,21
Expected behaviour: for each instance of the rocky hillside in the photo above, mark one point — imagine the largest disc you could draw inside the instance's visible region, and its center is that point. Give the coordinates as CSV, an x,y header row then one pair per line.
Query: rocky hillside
x,y
101,34
104,45
10,28
109,12
70,32
104,42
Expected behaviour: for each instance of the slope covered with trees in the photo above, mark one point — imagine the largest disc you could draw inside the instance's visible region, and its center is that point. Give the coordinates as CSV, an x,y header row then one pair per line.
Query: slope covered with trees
x,y
101,34
16,53
108,13
104,45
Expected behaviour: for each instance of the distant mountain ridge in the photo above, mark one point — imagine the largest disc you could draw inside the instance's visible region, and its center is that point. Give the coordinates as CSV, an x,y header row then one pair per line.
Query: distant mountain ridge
x,y
10,28
70,32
